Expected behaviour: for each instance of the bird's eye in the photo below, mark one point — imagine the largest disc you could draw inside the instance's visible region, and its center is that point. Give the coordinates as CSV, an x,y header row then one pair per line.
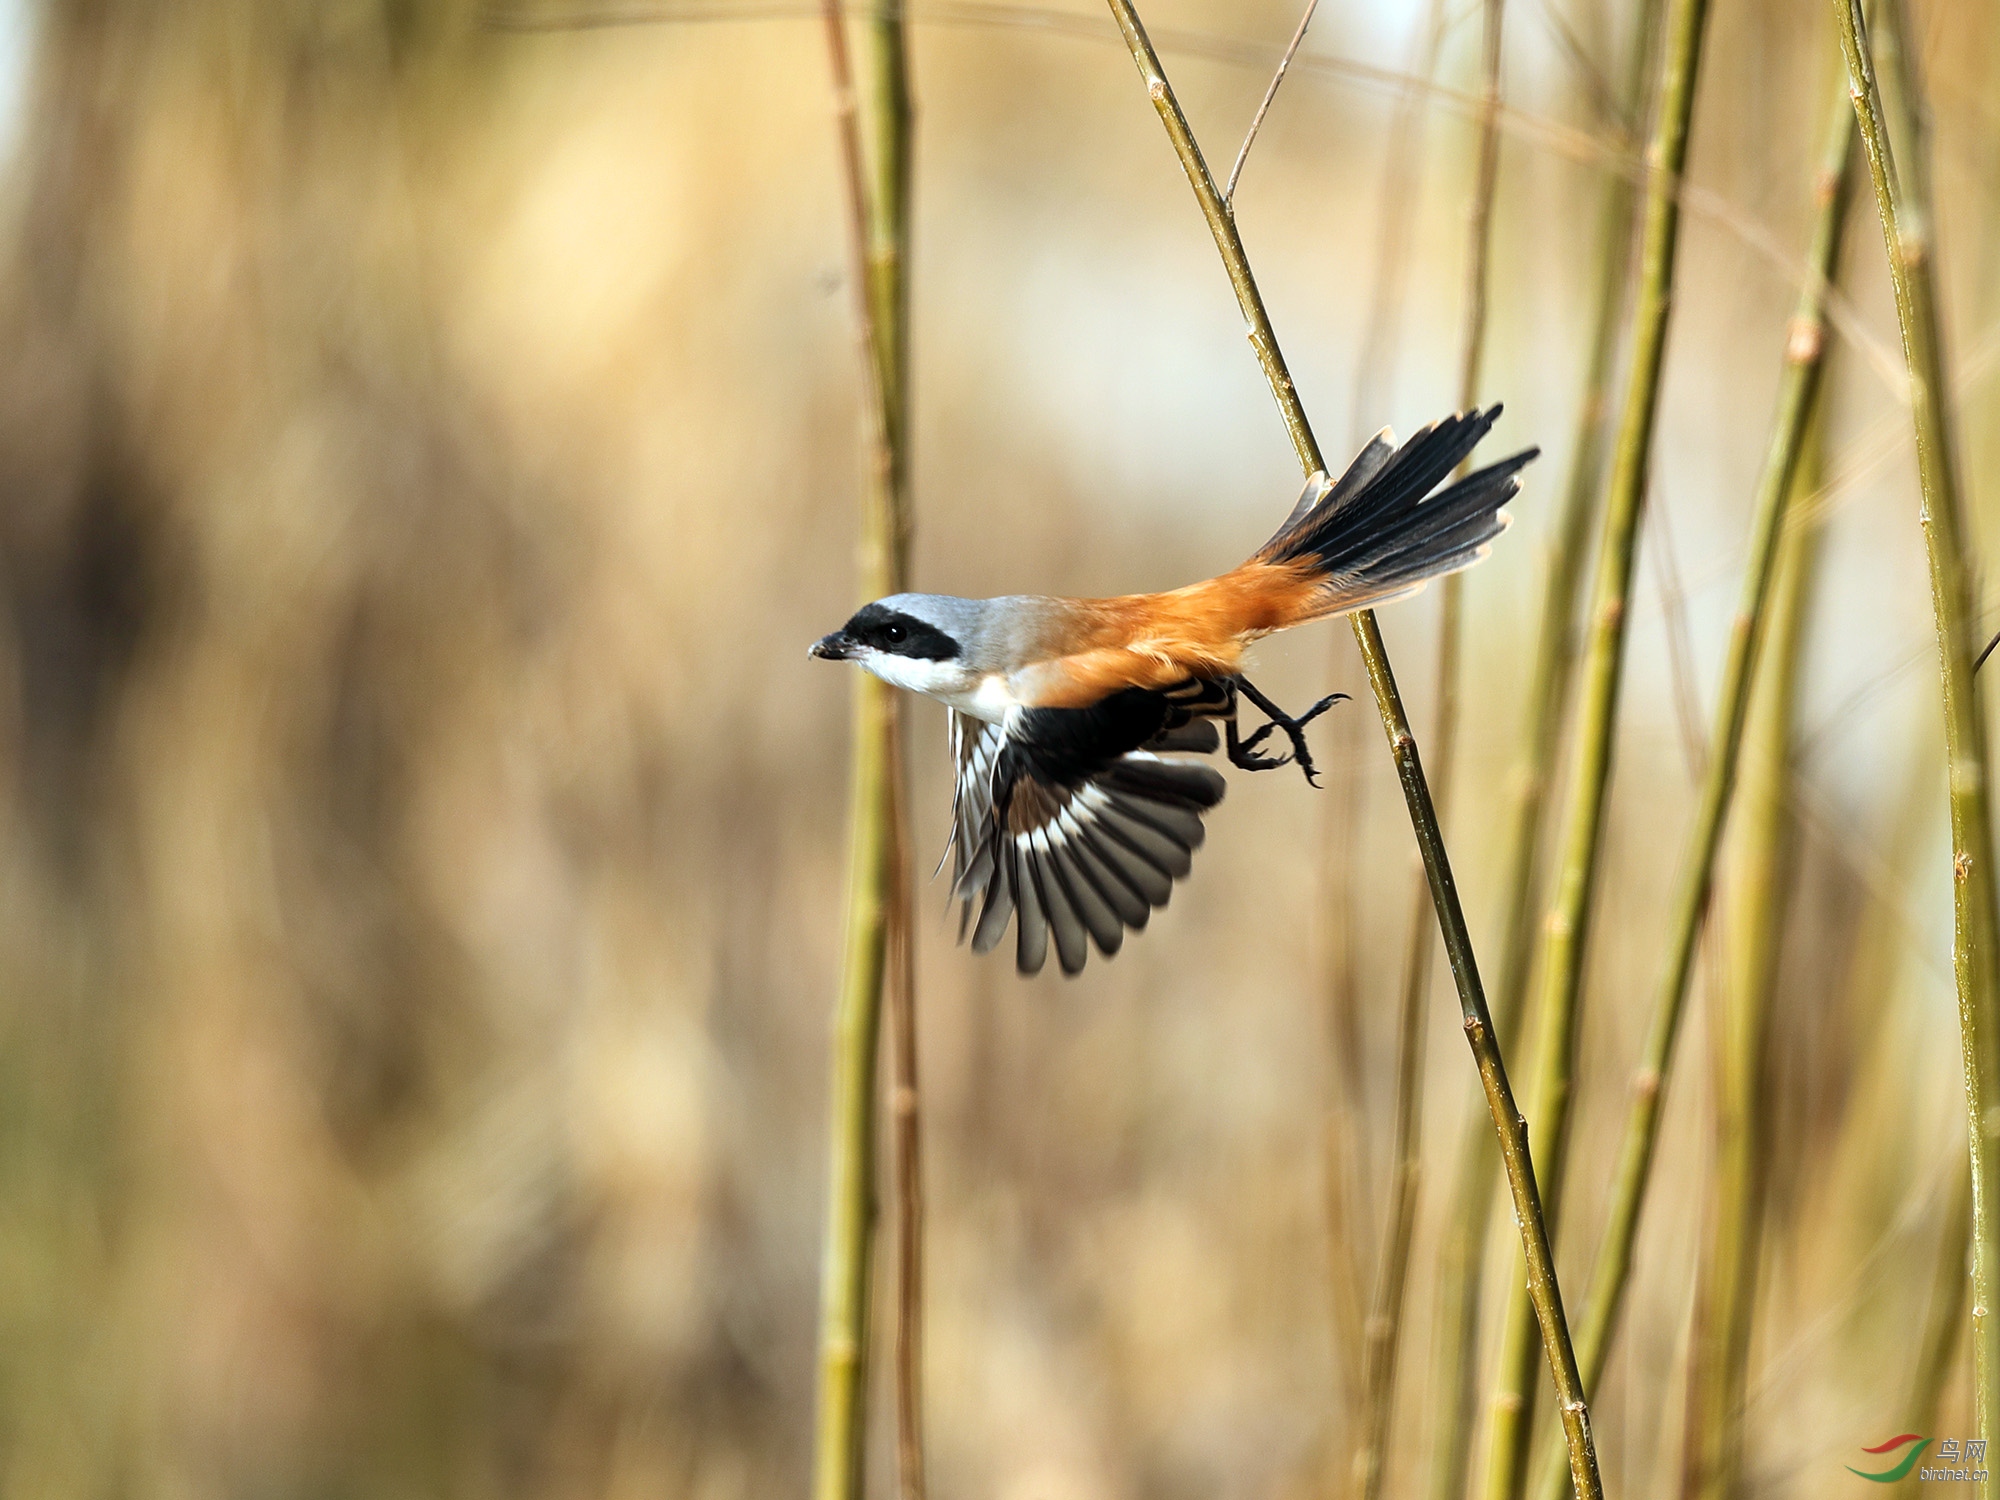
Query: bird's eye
x,y
894,634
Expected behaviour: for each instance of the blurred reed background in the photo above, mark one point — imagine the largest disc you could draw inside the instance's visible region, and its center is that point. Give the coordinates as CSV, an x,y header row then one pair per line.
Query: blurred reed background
x,y
428,446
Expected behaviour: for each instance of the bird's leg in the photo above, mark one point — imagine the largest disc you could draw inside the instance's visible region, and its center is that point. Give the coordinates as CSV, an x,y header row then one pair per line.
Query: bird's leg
x,y
1243,752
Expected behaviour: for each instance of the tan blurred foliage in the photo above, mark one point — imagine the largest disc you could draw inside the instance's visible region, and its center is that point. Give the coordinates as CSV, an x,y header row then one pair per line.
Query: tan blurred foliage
x,y
426,452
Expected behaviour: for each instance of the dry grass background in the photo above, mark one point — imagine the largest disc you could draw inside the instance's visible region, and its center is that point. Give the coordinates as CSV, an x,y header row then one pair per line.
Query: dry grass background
x,y
426,452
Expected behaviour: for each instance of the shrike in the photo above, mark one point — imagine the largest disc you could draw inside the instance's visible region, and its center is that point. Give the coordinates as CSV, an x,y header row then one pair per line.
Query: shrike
x,y
1063,711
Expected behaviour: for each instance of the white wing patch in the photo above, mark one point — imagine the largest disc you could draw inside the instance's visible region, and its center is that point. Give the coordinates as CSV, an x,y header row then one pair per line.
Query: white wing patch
x,y
1076,863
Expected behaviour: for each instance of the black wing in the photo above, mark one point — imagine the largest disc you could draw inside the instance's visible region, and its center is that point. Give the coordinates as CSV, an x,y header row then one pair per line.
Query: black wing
x,y
1072,818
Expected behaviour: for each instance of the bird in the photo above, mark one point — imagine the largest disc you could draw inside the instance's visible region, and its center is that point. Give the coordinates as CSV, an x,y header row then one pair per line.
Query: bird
x,y
1075,807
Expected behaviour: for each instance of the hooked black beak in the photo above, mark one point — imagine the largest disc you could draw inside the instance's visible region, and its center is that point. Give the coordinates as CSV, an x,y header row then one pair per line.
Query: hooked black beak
x,y
830,647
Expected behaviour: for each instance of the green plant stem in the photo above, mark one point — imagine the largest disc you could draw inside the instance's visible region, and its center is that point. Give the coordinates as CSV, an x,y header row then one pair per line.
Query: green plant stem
x,y
1462,1252
1906,233
1385,1321
1402,162
1383,1332
1546,1295
1759,880
1479,226
1805,344
847,1255
906,1122
1342,1133
1568,928
1345,1134
1908,120
877,185
890,120
1944,1319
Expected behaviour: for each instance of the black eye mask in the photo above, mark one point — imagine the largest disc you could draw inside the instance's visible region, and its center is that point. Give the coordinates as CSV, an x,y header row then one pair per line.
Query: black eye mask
x,y
898,634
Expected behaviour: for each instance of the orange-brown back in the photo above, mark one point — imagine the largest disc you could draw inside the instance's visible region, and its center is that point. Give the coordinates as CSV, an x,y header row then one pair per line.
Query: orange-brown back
x,y
1375,534
1157,640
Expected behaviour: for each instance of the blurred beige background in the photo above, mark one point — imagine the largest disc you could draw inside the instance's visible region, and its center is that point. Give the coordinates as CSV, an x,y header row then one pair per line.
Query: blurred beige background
x,y
427,449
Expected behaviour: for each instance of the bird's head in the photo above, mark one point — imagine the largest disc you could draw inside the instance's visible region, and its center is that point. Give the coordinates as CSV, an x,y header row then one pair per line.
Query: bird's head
x,y
923,642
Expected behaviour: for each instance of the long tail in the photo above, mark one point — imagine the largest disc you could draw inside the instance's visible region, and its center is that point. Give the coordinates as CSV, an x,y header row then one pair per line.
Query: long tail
x,y
1378,532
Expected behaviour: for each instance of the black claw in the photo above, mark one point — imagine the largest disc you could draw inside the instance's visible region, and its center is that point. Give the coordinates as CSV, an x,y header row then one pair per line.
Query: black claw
x,y
1319,708
1242,752
1258,738
1245,760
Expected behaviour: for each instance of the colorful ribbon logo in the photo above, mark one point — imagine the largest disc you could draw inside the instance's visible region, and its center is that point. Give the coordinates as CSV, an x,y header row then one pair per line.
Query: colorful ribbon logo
x,y
1890,1476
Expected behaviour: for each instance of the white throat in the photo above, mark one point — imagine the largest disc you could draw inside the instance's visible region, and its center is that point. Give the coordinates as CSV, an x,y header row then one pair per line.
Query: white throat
x,y
982,695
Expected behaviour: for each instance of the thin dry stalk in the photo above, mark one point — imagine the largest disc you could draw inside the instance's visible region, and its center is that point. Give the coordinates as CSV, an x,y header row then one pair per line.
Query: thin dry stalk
x,y
1462,1254
877,877
1544,1291
1805,345
1905,215
1385,1322
1264,105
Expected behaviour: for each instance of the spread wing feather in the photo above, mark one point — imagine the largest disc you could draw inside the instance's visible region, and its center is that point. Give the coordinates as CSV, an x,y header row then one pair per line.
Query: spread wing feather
x,y
1075,826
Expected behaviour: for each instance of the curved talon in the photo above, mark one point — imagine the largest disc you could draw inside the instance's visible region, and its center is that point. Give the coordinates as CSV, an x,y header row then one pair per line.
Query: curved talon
x,y
1246,759
1319,708
1303,755
1257,739
1242,752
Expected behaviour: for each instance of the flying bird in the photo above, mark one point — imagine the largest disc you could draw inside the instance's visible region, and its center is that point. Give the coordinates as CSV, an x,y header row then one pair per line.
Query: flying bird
x,y
1068,809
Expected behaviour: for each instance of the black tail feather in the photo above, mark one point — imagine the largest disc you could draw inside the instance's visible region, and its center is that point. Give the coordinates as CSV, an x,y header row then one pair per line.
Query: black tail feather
x,y
1466,514
1379,530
